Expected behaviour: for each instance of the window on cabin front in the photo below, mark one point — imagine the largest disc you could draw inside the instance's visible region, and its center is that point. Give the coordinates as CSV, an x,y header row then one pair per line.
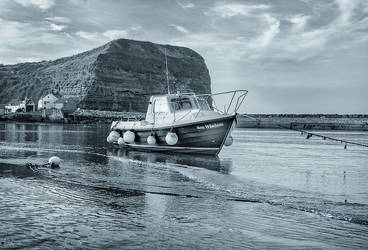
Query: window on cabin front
x,y
203,103
183,103
161,106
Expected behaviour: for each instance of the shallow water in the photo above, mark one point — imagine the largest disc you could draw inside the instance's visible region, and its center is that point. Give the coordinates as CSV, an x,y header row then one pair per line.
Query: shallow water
x,y
271,189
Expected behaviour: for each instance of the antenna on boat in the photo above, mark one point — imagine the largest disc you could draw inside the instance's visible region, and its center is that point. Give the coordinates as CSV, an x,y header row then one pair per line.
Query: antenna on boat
x,y
167,74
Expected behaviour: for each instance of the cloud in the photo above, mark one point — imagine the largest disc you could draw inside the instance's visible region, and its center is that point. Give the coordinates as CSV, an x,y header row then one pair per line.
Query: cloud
x,y
237,9
114,34
12,30
340,33
272,41
266,37
58,19
109,34
57,27
88,35
253,43
122,33
22,42
299,22
42,4
180,28
346,9
185,4
27,59
276,37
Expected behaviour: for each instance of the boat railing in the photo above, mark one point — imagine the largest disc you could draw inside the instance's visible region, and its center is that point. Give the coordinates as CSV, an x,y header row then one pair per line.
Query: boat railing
x,y
203,102
231,106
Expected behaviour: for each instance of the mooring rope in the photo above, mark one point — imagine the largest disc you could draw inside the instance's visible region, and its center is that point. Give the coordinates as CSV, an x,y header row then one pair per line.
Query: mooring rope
x,y
310,134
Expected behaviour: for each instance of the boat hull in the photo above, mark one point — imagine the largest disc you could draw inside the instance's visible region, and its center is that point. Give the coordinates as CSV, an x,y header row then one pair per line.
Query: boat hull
x,y
201,137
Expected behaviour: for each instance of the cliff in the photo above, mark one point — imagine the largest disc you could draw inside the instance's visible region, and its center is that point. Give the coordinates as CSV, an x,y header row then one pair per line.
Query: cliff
x,y
119,76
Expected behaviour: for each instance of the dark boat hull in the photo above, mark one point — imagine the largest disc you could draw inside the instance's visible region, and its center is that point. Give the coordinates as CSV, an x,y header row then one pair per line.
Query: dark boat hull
x,y
202,137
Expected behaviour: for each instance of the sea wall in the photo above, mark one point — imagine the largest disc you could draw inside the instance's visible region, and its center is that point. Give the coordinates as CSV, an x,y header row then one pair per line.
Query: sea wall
x,y
98,116
304,121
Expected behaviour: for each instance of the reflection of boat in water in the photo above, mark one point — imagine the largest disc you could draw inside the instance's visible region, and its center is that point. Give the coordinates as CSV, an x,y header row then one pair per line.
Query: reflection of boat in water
x,y
181,123
209,162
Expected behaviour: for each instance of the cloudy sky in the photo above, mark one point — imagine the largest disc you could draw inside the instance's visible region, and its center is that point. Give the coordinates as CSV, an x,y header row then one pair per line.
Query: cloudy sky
x,y
294,56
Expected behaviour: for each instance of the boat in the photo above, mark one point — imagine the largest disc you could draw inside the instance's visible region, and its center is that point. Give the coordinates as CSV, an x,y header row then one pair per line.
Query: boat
x,y
181,123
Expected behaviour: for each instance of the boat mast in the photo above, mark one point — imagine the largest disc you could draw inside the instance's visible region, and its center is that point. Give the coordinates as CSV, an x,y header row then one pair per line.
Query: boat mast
x,y
167,74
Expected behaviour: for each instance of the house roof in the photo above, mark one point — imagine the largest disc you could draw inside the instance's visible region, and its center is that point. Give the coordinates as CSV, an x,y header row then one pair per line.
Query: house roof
x,y
55,95
28,101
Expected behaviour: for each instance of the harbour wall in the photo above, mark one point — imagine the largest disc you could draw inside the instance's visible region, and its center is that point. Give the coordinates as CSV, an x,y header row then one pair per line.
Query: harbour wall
x,y
273,121
304,121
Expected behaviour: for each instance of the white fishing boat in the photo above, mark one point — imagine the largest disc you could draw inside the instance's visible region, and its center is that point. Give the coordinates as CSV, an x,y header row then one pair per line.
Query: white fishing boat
x,y
182,123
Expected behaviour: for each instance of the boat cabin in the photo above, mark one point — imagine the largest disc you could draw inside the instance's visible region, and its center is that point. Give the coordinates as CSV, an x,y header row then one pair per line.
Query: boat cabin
x,y
174,107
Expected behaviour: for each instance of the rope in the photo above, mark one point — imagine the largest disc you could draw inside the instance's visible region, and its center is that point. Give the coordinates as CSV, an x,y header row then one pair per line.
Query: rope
x,y
310,134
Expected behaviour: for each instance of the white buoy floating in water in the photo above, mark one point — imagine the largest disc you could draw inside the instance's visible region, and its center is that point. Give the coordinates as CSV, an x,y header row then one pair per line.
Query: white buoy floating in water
x,y
229,141
151,140
113,136
129,137
171,138
54,160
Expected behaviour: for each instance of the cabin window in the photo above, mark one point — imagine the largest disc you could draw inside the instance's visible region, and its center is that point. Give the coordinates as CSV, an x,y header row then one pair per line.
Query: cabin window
x,y
203,103
181,104
161,106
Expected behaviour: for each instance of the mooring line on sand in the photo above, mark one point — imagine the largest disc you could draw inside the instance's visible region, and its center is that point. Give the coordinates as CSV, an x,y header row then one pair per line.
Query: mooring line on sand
x,y
310,134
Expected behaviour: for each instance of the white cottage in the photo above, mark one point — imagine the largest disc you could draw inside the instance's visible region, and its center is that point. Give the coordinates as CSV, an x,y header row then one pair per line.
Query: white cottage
x,y
14,107
47,102
27,105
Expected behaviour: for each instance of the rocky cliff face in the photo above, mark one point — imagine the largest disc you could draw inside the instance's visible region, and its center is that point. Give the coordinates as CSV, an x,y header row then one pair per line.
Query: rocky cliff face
x,y
120,76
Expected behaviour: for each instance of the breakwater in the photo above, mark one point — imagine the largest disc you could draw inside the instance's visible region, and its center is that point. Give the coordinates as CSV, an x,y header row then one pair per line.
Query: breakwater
x,y
91,116
296,121
78,116
305,121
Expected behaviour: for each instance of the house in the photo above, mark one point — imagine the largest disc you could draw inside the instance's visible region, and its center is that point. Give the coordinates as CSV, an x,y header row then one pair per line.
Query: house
x,y
27,105
13,107
47,102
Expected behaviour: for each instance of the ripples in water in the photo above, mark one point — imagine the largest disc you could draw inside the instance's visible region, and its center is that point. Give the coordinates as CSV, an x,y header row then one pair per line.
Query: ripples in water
x,y
104,197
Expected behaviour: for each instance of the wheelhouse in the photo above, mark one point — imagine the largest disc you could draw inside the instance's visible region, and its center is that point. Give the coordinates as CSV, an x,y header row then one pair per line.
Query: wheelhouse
x,y
170,107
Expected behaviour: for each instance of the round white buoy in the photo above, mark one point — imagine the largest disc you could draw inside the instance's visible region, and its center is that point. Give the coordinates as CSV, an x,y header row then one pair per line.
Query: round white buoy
x,y
229,141
129,137
55,160
121,141
171,138
113,136
151,140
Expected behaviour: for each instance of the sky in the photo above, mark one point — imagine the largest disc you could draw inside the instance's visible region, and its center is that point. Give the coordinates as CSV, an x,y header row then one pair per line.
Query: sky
x,y
293,56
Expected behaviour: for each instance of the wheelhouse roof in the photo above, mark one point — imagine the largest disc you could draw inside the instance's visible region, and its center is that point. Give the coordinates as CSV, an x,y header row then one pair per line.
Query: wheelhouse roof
x,y
174,95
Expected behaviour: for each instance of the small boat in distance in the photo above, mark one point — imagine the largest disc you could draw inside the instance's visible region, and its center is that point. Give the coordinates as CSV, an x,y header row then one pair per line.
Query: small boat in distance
x,y
181,123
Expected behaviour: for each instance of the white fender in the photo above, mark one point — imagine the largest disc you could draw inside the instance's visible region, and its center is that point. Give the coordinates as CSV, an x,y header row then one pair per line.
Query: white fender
x,y
55,160
129,137
151,140
171,138
113,137
121,141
